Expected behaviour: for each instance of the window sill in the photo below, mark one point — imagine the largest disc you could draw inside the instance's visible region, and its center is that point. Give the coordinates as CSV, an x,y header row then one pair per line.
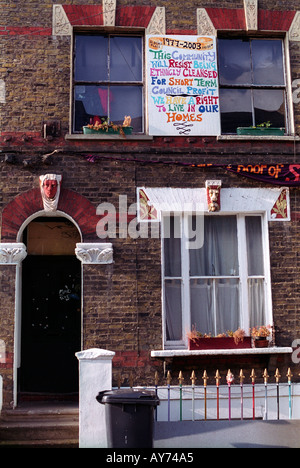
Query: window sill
x,y
259,138
170,353
93,137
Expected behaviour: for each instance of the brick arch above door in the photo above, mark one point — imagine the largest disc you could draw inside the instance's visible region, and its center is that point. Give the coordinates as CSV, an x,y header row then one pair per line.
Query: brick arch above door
x,y
25,205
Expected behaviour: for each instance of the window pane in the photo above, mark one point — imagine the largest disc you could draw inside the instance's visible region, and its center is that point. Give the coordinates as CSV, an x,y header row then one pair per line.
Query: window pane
x,y
126,59
90,101
202,305
234,61
227,305
236,109
91,58
173,310
269,105
256,295
172,246
126,100
254,246
267,62
218,255
215,305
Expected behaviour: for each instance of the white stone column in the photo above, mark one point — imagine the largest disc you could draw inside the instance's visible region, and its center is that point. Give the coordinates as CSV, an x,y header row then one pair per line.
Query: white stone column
x,y
95,375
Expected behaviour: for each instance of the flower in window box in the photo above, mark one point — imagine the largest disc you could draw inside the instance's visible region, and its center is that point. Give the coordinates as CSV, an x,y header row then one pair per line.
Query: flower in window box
x,y
264,128
102,126
260,335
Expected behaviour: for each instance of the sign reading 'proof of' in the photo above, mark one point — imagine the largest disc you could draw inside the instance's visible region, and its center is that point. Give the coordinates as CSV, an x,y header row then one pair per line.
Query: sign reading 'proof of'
x,y
182,85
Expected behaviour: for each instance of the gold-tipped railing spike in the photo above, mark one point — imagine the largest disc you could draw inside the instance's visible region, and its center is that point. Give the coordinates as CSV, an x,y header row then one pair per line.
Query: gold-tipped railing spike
x,y
289,375
193,378
156,380
218,377
253,376
180,378
205,378
241,377
277,375
265,376
169,378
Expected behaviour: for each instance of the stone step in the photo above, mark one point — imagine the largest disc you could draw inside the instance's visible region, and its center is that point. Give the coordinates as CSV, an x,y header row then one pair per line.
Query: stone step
x,y
40,426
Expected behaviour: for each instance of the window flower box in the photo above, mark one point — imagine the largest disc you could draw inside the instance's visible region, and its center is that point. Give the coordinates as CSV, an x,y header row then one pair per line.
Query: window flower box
x,y
107,131
260,334
226,342
260,131
261,342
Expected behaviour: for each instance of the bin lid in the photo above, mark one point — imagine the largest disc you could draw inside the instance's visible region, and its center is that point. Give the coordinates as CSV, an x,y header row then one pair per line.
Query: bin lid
x,y
128,397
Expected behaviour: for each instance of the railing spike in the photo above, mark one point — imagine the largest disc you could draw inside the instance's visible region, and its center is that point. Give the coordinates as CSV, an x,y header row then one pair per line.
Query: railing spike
x,y
253,376
180,378
156,378
205,378
241,377
289,375
217,377
193,378
169,378
265,376
277,375
229,377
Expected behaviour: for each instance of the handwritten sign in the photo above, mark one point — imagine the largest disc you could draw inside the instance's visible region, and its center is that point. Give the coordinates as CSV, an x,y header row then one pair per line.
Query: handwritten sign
x,y
182,85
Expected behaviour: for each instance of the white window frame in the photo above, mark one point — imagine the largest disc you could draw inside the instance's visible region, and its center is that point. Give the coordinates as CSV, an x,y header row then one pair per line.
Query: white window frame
x,y
243,275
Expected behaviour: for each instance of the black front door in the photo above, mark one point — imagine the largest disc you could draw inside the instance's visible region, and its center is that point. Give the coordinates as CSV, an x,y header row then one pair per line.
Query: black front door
x,y
51,324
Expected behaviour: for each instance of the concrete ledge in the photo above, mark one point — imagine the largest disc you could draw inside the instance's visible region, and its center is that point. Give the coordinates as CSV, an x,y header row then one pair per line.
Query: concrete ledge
x,y
169,353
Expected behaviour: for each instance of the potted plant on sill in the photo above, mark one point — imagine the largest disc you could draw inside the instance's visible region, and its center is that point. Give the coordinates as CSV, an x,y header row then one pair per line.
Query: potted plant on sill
x,y
228,340
102,126
260,336
264,128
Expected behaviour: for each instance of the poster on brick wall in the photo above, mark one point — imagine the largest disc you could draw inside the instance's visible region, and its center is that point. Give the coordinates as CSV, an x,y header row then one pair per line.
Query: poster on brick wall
x,y
182,85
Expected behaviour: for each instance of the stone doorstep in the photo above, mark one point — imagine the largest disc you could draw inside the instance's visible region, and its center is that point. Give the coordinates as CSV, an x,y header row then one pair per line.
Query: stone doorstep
x,y
40,426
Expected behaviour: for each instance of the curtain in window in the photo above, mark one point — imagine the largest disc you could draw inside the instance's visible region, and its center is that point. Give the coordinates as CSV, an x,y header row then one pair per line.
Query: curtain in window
x,y
172,270
219,254
256,286
215,304
256,294
215,301
173,307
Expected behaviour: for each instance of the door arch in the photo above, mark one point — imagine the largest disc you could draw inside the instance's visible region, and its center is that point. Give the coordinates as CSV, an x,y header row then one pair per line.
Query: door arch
x,y
51,309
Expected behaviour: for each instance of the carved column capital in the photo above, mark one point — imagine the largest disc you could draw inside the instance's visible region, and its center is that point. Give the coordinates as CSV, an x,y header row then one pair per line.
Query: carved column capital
x,y
109,12
12,253
60,23
157,24
251,12
294,31
94,253
205,25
